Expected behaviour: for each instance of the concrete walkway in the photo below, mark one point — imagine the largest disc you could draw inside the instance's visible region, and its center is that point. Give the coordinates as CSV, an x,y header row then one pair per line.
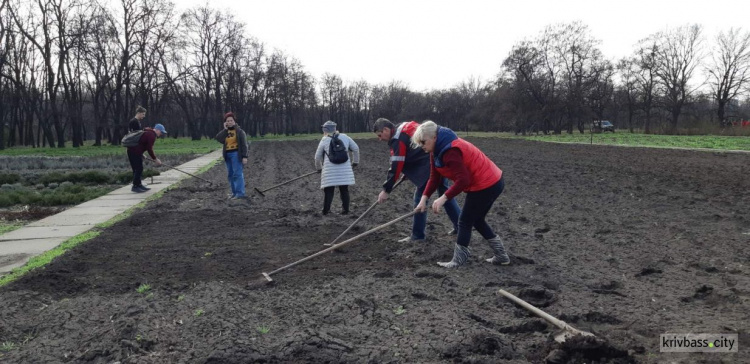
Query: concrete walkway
x,y
18,246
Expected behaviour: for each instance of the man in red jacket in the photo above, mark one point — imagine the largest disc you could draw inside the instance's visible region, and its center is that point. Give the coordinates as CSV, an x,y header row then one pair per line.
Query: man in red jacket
x,y
414,163
135,155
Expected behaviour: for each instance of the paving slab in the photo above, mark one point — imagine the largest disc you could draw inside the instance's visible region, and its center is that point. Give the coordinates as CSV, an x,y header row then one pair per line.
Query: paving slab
x,y
68,219
18,246
44,232
109,203
30,247
90,211
13,261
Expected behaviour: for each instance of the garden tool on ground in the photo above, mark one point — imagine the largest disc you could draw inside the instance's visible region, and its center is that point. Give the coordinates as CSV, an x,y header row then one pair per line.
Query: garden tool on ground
x,y
361,216
267,276
283,183
179,170
567,330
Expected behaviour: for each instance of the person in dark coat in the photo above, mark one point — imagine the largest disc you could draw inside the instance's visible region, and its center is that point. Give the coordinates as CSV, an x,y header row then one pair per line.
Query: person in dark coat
x,y
234,150
135,122
135,155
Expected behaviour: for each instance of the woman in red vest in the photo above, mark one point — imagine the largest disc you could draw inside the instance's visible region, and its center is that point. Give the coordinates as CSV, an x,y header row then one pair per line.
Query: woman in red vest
x,y
471,172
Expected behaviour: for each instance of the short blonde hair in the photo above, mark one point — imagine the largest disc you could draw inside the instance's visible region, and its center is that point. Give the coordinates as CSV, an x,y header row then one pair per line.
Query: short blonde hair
x,y
428,129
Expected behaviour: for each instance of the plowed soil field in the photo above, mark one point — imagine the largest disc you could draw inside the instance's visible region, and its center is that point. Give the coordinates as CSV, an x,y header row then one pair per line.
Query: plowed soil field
x,y
626,243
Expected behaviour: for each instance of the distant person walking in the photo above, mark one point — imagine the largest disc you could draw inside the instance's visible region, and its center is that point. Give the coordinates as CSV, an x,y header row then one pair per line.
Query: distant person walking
x,y
135,122
414,163
234,150
471,172
135,155
335,174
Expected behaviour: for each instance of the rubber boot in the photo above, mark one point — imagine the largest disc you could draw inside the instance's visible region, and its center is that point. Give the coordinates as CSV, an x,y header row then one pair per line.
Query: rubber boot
x,y
501,256
460,256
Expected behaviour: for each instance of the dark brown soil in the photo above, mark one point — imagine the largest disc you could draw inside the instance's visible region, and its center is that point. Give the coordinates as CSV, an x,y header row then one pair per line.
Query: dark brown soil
x,y
625,243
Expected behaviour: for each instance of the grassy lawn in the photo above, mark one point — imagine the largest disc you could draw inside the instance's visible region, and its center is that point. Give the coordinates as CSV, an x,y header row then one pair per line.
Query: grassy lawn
x,y
171,146
167,146
634,139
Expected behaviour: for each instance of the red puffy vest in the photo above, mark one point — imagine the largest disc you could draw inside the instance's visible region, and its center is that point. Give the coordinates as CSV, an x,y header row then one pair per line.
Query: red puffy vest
x,y
484,172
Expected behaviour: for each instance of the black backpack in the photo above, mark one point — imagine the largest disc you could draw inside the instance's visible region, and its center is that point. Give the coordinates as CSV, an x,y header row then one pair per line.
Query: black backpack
x,y
131,139
338,153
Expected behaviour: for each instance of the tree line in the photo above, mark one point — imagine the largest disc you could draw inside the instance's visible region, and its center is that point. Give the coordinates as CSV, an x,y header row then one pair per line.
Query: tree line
x,y
75,70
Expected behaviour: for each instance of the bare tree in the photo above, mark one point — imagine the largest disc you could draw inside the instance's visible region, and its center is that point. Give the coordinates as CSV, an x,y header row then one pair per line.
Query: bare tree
x,y
628,70
729,72
678,54
645,61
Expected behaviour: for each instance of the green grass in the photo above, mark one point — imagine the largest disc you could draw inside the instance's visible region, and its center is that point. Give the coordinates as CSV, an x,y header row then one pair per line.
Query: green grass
x,y
7,346
167,146
143,288
400,310
8,226
625,138
650,140
46,257
263,329
68,195
172,146
199,312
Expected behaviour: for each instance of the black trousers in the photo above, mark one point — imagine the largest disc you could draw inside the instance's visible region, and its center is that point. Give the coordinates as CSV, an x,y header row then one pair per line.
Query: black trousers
x,y
328,198
476,206
136,163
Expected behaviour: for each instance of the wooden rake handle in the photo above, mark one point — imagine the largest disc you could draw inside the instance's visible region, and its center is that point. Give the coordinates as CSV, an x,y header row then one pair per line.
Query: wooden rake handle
x,y
368,232
289,181
549,318
362,216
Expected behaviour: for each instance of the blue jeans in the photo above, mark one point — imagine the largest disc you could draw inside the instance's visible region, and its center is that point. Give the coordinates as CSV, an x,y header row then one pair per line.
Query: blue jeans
x,y
234,174
420,219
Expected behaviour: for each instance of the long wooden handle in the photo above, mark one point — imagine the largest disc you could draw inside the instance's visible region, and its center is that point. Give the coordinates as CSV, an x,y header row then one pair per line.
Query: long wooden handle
x,y
179,170
551,319
289,181
368,232
363,215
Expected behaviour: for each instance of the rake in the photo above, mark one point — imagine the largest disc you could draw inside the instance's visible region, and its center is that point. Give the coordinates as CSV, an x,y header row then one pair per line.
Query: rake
x,y
361,216
179,170
269,280
567,330
283,183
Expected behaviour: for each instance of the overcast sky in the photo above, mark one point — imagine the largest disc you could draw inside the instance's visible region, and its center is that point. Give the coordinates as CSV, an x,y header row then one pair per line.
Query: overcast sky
x,y
437,44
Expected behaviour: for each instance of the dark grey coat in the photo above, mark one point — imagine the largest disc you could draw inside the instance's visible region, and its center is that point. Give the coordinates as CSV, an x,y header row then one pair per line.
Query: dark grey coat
x,y
241,141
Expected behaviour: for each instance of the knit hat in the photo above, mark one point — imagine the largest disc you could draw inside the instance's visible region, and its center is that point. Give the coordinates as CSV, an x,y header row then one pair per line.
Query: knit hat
x,y
229,114
329,127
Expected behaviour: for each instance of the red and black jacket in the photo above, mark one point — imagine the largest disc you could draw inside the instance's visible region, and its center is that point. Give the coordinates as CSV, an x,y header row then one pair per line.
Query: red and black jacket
x,y
414,163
